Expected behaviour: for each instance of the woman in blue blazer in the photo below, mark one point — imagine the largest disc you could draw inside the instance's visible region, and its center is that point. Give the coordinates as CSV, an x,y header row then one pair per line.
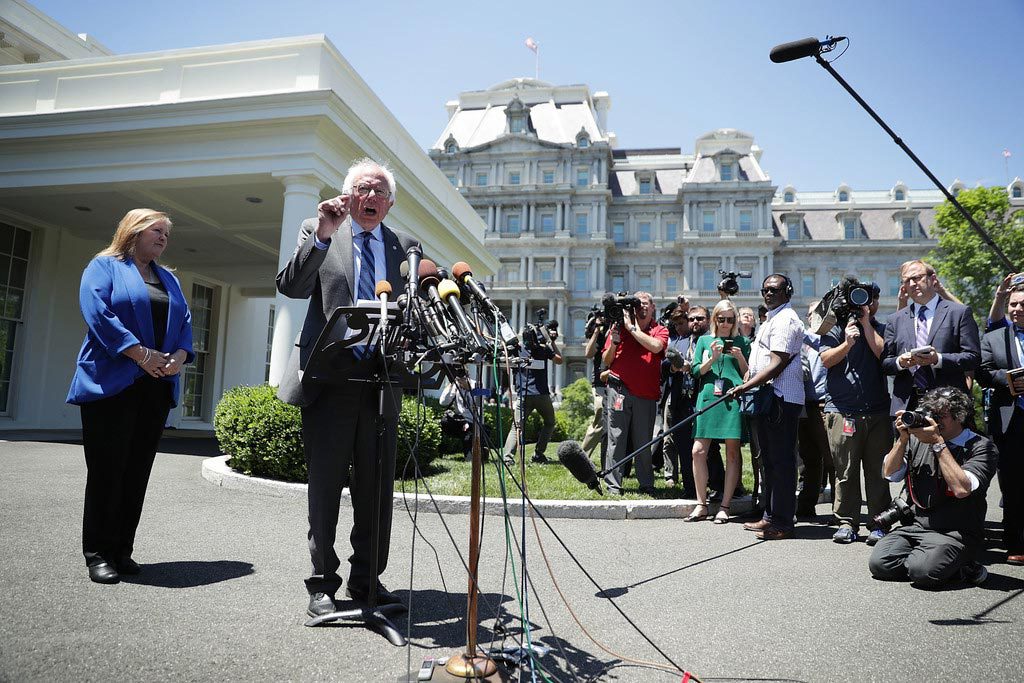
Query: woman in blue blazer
x,y
139,335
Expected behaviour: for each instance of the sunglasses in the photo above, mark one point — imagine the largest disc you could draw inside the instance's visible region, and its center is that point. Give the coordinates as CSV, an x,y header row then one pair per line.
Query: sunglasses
x,y
776,290
725,320
696,318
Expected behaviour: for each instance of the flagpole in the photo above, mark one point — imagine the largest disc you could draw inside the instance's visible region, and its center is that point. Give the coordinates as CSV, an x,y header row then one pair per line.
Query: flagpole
x,y
536,63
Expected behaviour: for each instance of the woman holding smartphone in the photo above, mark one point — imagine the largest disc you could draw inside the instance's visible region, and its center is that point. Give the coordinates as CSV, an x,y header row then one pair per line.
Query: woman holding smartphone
x,y
722,364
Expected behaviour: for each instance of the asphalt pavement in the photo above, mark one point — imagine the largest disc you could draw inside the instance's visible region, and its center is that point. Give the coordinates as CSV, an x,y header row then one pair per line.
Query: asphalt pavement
x,y
221,594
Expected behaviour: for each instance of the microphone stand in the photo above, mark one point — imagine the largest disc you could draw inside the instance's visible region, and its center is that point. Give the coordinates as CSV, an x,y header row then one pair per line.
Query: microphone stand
x,y
913,157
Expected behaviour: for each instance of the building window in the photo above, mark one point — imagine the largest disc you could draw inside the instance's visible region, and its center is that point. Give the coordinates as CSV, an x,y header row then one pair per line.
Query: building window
x,y
452,179
582,177
509,272
513,177
14,250
546,272
547,224
908,228
451,148
1017,192
645,231
512,224
670,231
746,283
270,342
481,179
583,142
548,177
807,285
746,221
788,197
580,277
516,124
644,282
671,283
849,228
894,284
579,327
708,224
793,228
900,195
582,227
618,282
727,172
619,233
645,186
709,278
844,196
194,393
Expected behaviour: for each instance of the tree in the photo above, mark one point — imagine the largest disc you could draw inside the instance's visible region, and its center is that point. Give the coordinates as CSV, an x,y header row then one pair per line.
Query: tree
x,y
966,265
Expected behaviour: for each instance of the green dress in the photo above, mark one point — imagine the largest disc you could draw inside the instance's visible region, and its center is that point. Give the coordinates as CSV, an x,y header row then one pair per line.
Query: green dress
x,y
724,421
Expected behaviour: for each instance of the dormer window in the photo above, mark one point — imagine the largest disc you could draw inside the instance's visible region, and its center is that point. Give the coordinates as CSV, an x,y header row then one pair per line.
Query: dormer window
x,y
583,143
849,222
909,228
899,195
451,145
645,185
1016,193
788,197
844,196
517,115
1017,189
727,171
583,138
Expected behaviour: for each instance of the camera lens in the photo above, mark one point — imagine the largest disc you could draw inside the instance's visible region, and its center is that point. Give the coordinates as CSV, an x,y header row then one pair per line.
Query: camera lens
x,y
859,296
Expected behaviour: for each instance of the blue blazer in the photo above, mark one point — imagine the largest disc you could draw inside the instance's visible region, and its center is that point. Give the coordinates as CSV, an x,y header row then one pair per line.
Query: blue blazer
x,y
116,308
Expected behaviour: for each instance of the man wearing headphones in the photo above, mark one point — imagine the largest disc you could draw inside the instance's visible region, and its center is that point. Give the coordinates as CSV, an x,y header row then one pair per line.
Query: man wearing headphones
x,y
777,343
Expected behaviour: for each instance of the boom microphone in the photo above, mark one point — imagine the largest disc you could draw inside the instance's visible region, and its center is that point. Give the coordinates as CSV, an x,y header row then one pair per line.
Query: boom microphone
x,y
449,291
798,49
571,455
464,275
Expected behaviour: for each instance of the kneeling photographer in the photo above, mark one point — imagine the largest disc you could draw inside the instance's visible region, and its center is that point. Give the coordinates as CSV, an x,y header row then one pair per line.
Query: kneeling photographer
x,y
947,468
531,384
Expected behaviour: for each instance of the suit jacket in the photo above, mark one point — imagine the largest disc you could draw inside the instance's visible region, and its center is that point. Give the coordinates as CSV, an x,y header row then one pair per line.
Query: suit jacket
x,y
327,278
998,354
954,334
117,312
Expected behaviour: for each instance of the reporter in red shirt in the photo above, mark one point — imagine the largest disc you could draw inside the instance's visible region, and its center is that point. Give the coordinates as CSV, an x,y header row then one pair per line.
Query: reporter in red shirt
x,y
633,354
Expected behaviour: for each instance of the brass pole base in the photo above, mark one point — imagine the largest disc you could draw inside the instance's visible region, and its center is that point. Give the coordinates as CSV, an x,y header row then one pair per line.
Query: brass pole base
x,y
475,667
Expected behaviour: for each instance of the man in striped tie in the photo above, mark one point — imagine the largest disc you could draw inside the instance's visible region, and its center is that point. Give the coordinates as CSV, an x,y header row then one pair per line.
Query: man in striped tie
x,y
931,343
341,255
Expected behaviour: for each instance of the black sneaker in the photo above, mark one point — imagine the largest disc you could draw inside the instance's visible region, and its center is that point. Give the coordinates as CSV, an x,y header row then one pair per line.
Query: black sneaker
x,y
540,459
974,573
320,604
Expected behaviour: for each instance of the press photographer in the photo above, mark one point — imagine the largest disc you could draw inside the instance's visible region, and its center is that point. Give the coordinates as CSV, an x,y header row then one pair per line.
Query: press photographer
x,y
633,354
531,383
596,332
947,468
729,285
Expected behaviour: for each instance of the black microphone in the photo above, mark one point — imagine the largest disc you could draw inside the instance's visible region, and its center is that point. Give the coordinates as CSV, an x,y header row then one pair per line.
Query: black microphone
x,y
428,282
798,49
464,275
449,291
571,455
675,358
412,265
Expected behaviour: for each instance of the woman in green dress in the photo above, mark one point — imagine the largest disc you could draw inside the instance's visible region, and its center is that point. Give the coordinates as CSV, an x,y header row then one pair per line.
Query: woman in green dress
x,y
720,362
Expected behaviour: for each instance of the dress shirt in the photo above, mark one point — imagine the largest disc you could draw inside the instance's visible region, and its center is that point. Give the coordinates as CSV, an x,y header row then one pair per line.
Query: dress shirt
x,y
929,315
960,440
380,266
782,332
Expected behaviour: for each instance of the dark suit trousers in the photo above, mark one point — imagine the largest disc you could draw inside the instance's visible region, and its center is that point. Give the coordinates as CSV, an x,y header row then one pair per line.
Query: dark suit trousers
x,y
339,432
776,437
815,459
1011,483
926,558
120,434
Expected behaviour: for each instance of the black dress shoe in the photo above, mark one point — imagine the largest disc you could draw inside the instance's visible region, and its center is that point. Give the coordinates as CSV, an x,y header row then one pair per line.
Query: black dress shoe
x,y
320,604
127,565
384,596
103,573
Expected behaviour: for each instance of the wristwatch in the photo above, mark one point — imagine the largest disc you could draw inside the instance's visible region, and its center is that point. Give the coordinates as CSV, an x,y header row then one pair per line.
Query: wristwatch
x,y
634,328
937,447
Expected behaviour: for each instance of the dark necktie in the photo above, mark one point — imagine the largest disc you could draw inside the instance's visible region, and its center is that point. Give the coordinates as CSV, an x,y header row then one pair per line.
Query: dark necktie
x,y
367,277
921,375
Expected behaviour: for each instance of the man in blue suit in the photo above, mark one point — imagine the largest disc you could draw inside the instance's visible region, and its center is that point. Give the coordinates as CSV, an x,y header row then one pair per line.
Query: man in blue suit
x,y
341,255
947,327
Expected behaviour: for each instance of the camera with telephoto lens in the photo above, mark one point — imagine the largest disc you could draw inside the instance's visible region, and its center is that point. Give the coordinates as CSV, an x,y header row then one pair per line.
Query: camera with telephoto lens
x,y
729,285
616,304
915,419
849,296
595,319
900,511
540,334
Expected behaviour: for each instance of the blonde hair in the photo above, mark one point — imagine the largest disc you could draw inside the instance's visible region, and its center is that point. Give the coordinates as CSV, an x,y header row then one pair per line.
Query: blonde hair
x,y
134,223
928,269
721,306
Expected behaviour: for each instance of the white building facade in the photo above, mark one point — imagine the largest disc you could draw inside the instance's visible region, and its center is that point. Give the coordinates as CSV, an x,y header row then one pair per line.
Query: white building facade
x,y
571,216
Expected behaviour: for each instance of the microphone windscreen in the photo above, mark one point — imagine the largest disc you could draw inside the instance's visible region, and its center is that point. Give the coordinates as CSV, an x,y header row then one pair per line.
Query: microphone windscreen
x,y
403,269
675,358
447,288
574,459
798,49
460,270
383,287
427,274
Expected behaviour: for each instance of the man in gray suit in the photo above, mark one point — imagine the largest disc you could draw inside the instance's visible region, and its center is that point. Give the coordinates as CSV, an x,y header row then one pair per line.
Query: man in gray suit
x,y
341,255
1002,350
929,321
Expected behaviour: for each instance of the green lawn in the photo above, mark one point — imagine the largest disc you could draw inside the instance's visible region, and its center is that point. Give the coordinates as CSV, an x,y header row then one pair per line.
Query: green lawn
x,y
450,476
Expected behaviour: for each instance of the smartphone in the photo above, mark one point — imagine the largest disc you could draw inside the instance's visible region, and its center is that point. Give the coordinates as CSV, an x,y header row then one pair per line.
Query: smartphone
x,y
922,351
726,345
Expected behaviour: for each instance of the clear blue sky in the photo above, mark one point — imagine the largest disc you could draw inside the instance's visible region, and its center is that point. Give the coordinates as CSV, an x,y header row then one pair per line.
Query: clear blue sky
x,y
945,75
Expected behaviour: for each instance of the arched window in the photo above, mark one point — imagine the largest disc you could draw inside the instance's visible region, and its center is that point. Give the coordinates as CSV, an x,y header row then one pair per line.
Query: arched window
x,y
899,195
844,196
788,197
1017,193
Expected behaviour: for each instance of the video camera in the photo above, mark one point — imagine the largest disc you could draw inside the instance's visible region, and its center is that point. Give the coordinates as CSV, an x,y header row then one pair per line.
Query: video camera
x,y
540,334
841,303
615,306
729,285
595,319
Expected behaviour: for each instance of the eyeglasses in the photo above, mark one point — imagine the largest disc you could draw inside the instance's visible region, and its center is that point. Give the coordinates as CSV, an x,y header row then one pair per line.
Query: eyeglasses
x,y
777,290
725,320
914,278
696,318
364,191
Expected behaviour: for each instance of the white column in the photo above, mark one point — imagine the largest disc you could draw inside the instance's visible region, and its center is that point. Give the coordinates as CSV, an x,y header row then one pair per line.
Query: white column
x,y
533,216
602,220
301,196
497,217
558,215
523,312
657,279
522,218
530,274
522,268
515,315
491,225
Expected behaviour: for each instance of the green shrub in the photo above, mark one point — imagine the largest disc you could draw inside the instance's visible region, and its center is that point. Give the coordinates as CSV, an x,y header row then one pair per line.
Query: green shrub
x,y
578,407
261,433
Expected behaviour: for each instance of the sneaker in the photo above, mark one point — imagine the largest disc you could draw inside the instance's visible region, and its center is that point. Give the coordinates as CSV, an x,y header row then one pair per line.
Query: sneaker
x,y
974,573
510,460
874,536
846,534
540,459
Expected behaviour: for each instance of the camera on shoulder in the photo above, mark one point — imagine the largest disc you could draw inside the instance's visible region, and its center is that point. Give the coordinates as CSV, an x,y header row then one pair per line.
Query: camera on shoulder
x,y
615,306
729,283
841,303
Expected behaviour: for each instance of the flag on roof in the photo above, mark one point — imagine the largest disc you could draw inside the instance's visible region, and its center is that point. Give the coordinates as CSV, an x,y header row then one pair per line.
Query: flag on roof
x,y
532,44
1006,153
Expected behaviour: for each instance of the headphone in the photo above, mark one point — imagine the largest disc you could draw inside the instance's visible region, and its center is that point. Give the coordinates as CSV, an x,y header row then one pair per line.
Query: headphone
x,y
789,283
